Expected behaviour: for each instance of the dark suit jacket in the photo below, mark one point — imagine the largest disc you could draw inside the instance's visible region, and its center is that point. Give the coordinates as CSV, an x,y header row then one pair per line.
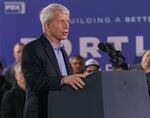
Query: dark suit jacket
x,y
13,103
42,74
9,74
4,87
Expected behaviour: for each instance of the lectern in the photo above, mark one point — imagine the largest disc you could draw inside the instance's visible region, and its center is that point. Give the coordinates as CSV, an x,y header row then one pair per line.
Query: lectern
x,y
119,94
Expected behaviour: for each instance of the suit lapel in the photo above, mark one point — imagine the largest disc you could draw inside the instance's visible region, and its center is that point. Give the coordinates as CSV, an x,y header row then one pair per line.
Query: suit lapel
x,y
51,54
68,66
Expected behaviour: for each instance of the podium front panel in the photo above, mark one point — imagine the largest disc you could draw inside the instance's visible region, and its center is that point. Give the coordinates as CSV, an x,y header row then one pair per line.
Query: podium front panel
x,y
85,103
106,95
125,95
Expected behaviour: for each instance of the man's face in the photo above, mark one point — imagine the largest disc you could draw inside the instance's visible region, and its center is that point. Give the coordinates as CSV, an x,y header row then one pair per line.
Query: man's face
x,y
18,53
91,68
59,26
20,78
146,60
77,66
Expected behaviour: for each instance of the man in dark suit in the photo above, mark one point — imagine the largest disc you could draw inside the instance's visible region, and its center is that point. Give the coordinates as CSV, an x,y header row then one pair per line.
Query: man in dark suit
x,y
14,100
4,85
9,72
45,63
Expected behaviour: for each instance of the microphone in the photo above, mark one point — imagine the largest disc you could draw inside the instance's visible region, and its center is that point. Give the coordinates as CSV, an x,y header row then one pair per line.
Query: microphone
x,y
116,57
108,48
111,47
102,47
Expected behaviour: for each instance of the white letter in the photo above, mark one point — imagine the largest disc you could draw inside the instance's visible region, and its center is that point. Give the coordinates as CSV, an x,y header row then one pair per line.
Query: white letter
x,y
117,41
139,45
108,67
89,45
118,20
68,46
26,40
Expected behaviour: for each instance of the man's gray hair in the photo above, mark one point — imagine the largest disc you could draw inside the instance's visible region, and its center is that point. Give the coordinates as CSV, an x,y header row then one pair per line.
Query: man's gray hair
x,y
47,13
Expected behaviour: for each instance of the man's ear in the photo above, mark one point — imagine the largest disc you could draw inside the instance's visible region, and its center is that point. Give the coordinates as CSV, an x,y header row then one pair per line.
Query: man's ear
x,y
47,26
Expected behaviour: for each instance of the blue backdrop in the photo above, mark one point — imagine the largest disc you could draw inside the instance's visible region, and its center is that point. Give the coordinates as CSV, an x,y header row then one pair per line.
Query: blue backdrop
x,y
124,23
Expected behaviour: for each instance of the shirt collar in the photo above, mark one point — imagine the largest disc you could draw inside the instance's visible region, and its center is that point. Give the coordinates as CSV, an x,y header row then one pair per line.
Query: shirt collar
x,y
55,47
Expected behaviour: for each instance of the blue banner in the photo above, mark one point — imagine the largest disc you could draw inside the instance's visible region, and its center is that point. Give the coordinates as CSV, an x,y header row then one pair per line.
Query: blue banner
x,y
124,23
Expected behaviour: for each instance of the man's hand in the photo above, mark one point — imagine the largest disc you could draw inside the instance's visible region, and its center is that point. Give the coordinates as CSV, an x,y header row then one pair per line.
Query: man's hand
x,y
74,81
